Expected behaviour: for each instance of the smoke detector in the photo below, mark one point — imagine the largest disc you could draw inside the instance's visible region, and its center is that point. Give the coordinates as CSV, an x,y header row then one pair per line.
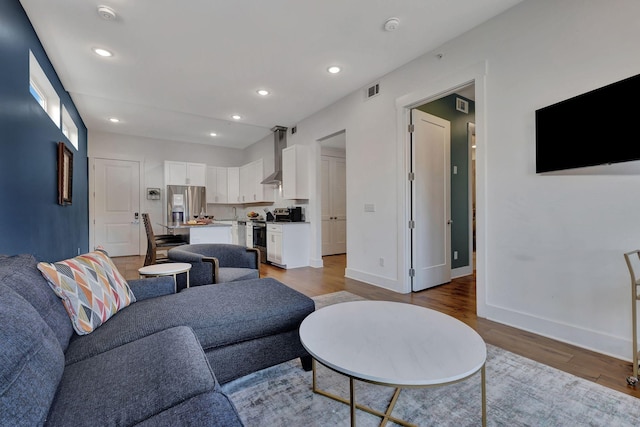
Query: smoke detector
x,y
391,24
106,13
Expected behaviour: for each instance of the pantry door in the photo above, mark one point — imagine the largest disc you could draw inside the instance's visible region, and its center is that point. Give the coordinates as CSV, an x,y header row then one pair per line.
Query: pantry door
x,y
334,205
116,196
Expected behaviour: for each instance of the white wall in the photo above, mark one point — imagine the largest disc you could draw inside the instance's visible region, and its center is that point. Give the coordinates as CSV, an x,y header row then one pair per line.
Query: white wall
x,y
550,247
151,153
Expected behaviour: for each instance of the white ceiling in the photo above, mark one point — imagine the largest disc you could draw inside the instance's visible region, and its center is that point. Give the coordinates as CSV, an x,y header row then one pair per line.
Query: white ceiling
x,y
181,68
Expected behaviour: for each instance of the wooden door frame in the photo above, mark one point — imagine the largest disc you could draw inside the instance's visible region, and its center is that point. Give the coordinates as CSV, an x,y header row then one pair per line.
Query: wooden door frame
x,y
142,246
428,92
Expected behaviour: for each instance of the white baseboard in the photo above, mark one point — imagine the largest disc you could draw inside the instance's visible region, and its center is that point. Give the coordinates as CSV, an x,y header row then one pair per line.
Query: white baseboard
x,y
461,271
581,337
372,279
316,263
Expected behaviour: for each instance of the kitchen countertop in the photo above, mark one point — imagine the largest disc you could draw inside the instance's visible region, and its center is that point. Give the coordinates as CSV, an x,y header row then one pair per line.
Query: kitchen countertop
x,y
240,220
287,222
185,225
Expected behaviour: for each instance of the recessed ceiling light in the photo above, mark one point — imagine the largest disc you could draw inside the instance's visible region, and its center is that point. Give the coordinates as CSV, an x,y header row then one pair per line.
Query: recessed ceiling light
x,y
213,134
333,69
391,24
102,52
106,13
114,120
236,117
263,92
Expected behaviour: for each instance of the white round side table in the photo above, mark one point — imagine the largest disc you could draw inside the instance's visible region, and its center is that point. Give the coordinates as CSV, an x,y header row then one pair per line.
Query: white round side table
x,y
392,344
166,269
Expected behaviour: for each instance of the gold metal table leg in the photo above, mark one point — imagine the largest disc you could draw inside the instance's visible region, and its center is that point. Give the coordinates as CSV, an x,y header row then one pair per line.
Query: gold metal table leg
x,y
484,396
386,416
352,396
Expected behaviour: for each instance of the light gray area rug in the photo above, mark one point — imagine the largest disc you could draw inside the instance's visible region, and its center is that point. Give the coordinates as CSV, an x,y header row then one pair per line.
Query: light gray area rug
x,y
520,392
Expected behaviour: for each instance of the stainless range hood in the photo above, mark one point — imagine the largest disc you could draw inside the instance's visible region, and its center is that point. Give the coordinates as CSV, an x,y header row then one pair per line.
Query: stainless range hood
x,y
279,143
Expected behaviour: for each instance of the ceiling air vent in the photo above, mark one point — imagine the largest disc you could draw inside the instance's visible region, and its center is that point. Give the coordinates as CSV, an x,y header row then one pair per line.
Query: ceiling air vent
x,y
372,91
462,105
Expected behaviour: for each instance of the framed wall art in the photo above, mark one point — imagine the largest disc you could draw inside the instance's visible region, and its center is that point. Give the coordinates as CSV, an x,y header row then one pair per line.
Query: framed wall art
x,y
65,174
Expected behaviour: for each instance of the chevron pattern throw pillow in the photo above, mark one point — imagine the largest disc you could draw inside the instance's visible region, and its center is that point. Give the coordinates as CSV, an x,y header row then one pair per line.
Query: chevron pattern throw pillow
x,y
91,288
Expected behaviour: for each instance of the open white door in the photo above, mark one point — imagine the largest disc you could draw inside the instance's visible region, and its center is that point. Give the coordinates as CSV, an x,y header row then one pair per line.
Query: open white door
x,y
117,206
431,201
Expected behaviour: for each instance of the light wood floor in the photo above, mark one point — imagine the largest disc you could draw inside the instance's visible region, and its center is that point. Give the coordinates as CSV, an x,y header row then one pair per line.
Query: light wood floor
x,y
456,299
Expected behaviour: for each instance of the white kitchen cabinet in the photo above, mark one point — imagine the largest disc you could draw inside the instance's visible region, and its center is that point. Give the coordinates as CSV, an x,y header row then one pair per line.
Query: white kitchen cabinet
x,y
210,234
217,185
183,173
251,188
234,231
249,234
233,185
247,187
295,172
274,244
288,244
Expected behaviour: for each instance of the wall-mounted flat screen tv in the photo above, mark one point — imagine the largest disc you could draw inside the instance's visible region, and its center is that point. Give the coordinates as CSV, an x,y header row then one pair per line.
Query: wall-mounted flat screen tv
x,y
595,128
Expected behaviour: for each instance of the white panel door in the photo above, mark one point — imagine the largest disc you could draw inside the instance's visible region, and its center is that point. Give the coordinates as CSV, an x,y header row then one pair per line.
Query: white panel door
x,y
334,205
117,206
431,200
339,205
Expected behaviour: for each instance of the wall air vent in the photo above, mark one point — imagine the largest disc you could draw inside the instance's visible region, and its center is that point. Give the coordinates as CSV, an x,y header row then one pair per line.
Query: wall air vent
x,y
372,91
462,105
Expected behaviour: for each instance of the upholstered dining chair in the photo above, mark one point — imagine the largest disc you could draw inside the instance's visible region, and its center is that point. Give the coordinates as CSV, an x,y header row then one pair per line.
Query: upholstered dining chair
x,y
217,262
158,245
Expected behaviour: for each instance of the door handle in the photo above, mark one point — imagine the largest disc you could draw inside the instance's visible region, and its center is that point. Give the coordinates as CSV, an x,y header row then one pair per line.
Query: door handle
x,y
450,222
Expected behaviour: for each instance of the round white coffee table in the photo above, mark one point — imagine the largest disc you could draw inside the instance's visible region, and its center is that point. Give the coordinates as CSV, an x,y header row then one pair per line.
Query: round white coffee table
x,y
166,269
393,344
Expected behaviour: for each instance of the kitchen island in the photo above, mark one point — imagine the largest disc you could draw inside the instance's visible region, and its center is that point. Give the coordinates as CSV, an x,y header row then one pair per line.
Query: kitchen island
x,y
214,232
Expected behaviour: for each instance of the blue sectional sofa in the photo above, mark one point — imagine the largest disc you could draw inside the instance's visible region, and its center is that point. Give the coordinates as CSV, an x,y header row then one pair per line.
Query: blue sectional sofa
x,y
152,363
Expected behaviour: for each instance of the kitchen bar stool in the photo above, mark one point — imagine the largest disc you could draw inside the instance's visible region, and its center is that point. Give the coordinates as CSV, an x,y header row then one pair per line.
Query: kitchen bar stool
x,y
633,263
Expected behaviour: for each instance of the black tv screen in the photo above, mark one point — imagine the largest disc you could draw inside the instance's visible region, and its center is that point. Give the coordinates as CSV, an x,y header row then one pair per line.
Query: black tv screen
x,y
595,128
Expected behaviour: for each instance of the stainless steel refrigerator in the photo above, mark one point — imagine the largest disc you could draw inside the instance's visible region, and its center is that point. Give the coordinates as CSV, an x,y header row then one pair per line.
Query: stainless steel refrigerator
x,y
185,202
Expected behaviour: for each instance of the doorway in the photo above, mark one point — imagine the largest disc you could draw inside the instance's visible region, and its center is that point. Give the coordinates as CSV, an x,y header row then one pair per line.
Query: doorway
x,y
457,107
116,206
333,194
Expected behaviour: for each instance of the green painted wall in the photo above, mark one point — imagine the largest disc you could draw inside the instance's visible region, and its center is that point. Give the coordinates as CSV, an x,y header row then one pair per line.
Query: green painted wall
x,y
446,109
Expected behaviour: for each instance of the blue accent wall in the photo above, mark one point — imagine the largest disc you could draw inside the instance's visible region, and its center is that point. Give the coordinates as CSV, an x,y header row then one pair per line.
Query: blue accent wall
x,y
31,221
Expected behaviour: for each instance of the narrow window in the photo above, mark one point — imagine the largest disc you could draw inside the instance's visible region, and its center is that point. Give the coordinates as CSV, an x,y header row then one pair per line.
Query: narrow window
x,y
69,128
37,94
42,90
